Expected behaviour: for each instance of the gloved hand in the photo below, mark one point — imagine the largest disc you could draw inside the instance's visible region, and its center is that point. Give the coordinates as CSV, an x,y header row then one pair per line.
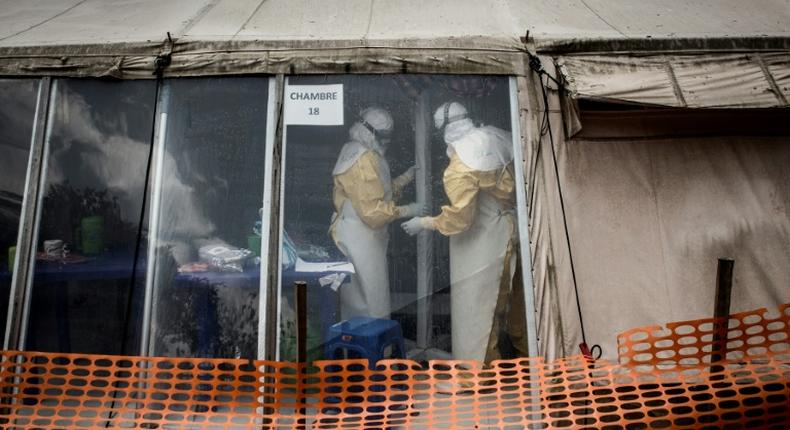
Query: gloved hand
x,y
416,225
412,210
408,175
404,179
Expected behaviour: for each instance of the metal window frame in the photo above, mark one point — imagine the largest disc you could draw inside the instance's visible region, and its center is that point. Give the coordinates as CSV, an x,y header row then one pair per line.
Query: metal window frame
x,y
154,211
522,215
271,240
19,299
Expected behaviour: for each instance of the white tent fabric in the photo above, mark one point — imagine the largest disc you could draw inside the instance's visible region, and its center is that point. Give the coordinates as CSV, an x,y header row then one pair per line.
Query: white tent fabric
x,y
54,22
649,207
59,22
121,38
752,80
649,218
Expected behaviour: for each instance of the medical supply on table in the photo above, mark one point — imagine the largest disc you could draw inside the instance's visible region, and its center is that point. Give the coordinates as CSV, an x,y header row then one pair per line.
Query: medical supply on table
x,y
224,258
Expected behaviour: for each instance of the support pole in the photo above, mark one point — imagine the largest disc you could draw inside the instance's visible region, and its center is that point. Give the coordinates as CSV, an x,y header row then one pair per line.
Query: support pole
x,y
22,268
721,311
423,179
300,289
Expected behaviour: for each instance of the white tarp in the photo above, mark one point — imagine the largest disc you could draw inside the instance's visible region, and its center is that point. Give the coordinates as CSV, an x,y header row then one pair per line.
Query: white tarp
x,y
699,81
120,38
88,22
648,220
59,22
650,207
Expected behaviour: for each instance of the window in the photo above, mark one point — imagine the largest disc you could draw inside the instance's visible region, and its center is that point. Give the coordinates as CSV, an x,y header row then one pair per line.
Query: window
x,y
86,287
210,182
351,145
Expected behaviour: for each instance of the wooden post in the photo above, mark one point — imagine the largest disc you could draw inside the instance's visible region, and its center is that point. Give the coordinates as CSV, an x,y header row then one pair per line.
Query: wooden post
x,y
721,311
300,290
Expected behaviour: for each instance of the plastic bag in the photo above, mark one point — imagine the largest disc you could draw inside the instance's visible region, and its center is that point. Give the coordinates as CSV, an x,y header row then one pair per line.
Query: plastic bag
x,y
224,258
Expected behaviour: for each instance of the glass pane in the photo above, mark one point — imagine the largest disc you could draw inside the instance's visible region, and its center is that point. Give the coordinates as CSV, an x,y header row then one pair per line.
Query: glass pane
x,y
207,273
17,111
86,292
351,143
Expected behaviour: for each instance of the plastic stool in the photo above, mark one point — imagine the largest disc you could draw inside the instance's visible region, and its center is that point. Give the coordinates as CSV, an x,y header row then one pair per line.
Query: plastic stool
x,y
364,337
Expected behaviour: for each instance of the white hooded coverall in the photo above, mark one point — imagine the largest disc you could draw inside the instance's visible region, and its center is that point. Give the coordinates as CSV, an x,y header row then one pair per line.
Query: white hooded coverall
x,y
480,222
364,207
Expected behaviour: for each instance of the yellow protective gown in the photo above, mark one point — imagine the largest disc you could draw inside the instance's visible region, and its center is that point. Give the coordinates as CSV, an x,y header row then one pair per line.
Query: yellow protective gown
x,y
481,224
364,206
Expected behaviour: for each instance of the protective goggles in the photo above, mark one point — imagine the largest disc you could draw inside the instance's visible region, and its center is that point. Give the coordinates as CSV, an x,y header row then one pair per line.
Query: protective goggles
x,y
380,134
447,119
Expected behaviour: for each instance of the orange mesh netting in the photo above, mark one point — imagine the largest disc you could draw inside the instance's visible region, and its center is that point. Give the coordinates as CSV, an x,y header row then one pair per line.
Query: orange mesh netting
x,y
750,389
748,334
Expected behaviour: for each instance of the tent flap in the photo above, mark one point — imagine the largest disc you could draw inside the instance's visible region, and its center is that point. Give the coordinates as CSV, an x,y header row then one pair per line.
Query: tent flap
x,y
755,80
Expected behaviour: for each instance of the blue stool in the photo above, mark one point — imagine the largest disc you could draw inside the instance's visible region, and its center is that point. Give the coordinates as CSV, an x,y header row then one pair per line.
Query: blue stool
x,y
364,337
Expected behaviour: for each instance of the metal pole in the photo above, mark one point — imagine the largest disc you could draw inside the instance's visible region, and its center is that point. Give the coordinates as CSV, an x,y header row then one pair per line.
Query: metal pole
x,y
26,239
35,187
150,308
268,291
721,311
522,212
422,155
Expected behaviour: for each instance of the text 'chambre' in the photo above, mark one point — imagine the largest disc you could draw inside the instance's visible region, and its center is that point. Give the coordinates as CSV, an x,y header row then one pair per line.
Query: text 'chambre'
x,y
329,95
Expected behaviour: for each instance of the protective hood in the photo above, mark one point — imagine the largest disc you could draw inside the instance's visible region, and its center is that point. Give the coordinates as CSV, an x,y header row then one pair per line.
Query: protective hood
x,y
481,148
348,156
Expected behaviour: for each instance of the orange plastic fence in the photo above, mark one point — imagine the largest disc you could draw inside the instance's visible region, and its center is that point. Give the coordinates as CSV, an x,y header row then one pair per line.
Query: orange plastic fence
x,y
44,390
749,334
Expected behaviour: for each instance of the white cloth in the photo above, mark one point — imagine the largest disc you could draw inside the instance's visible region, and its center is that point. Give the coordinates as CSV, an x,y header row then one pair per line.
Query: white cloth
x,y
477,261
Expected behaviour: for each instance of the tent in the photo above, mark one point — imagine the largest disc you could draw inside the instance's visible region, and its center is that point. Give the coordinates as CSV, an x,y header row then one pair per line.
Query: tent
x,y
652,144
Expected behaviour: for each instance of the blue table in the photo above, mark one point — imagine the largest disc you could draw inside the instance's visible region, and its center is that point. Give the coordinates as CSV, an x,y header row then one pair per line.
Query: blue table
x,y
110,266
322,302
59,280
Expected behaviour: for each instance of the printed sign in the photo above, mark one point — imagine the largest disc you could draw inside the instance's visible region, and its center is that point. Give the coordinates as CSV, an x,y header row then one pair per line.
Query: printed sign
x,y
314,104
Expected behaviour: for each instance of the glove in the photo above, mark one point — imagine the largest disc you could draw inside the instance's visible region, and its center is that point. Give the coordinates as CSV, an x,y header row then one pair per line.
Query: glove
x,y
408,175
404,179
412,210
416,225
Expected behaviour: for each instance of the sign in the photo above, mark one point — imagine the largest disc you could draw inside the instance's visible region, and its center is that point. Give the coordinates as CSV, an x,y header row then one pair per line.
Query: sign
x,y
314,104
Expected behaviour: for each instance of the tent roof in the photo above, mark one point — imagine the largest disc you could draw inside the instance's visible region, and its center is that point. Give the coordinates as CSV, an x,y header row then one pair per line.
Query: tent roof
x,y
124,35
58,22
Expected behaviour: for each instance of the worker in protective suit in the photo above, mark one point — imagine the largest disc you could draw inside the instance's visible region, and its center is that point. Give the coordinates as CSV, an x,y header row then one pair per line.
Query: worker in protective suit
x,y
364,203
480,221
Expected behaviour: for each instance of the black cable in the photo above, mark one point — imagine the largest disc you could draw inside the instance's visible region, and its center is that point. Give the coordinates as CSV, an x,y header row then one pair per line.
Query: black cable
x,y
534,63
544,124
160,64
